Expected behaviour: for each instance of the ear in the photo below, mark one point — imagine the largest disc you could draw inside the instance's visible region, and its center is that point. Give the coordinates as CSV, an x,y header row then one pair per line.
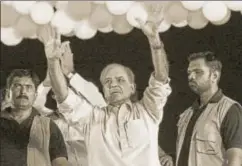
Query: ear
x,y
133,87
215,76
36,94
8,94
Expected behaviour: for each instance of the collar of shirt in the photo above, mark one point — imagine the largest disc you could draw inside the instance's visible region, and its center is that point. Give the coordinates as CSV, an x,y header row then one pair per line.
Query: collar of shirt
x,y
26,123
128,105
216,98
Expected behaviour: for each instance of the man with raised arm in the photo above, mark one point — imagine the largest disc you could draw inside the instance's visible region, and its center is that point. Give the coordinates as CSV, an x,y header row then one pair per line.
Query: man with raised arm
x,y
124,133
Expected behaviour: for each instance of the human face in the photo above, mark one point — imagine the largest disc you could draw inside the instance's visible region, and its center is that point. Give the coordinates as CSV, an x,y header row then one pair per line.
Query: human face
x,y
199,76
117,87
23,92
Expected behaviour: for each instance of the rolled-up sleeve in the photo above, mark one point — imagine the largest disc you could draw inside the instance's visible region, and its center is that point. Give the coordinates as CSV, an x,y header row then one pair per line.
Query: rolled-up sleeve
x,y
75,108
155,97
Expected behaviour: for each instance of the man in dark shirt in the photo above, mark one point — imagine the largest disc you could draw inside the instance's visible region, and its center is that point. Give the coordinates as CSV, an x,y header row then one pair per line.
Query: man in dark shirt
x,y
203,74
17,127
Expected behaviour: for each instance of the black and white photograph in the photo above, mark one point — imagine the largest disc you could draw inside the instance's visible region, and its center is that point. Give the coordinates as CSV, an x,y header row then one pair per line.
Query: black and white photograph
x,y
121,83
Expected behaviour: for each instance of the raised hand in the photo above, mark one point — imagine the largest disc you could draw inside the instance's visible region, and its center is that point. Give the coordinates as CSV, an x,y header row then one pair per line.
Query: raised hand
x,y
53,47
149,28
51,40
46,33
67,63
155,10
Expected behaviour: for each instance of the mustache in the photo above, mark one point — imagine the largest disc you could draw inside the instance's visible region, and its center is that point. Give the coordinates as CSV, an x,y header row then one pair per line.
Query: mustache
x,y
114,90
22,96
192,81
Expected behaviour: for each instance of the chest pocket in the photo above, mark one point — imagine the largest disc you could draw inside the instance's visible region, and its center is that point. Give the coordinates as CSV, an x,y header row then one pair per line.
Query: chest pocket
x,y
137,133
206,143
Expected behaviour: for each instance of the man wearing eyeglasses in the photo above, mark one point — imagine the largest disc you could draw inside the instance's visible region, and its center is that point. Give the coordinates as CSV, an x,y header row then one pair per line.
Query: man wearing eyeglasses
x,y
209,132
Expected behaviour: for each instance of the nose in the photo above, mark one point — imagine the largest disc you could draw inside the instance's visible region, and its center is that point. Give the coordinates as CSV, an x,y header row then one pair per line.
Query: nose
x,y
113,83
23,90
191,76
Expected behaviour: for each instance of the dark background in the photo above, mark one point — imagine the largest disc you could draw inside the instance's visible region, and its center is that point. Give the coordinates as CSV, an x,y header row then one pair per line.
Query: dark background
x,y
92,55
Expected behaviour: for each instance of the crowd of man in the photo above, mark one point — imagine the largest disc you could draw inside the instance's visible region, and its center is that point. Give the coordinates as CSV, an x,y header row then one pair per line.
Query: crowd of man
x,y
91,129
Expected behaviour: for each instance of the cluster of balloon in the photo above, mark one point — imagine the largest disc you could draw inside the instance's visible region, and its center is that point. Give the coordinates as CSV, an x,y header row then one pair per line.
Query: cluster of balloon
x,y
83,19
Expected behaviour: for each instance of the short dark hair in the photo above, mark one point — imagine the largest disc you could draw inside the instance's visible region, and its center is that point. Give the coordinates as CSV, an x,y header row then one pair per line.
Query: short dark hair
x,y
210,58
23,73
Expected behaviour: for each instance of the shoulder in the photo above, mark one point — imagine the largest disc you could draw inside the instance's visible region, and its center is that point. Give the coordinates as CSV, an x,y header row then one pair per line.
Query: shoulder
x,y
235,111
227,100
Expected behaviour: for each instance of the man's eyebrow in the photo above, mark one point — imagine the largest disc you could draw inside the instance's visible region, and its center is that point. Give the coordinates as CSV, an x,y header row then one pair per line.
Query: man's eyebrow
x,y
17,83
192,70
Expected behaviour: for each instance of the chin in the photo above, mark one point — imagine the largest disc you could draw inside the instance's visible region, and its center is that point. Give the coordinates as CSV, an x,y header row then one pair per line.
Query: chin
x,y
194,89
117,101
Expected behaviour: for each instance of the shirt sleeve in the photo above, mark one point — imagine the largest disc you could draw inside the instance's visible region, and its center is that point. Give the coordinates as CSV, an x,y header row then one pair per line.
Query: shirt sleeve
x,y
88,90
76,108
40,101
231,128
57,147
155,97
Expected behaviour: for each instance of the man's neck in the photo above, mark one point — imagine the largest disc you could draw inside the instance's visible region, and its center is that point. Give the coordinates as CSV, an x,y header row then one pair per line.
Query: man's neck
x,y
207,95
20,114
118,103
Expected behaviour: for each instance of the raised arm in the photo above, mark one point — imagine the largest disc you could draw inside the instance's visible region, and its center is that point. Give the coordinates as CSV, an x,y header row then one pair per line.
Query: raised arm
x,y
81,86
158,90
53,50
73,107
159,57
42,92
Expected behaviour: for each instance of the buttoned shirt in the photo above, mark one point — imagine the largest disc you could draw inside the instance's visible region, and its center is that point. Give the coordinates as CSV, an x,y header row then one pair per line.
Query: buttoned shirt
x,y
126,135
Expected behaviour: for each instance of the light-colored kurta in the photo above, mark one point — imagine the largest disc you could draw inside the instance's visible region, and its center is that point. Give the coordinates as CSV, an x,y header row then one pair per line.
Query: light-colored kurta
x,y
126,138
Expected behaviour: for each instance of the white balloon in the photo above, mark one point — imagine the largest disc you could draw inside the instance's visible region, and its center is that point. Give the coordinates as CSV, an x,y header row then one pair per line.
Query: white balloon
x,y
192,5
84,30
197,20
9,37
23,7
41,12
136,11
118,7
62,22
107,29
164,26
225,20
7,2
61,5
215,10
180,24
98,2
234,5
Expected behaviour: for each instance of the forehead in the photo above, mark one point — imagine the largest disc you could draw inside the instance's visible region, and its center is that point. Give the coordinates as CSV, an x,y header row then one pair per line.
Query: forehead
x,y
198,64
23,80
116,71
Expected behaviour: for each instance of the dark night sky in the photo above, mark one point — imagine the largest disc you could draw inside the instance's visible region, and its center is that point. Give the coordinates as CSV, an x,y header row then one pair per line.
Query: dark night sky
x,y
92,55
